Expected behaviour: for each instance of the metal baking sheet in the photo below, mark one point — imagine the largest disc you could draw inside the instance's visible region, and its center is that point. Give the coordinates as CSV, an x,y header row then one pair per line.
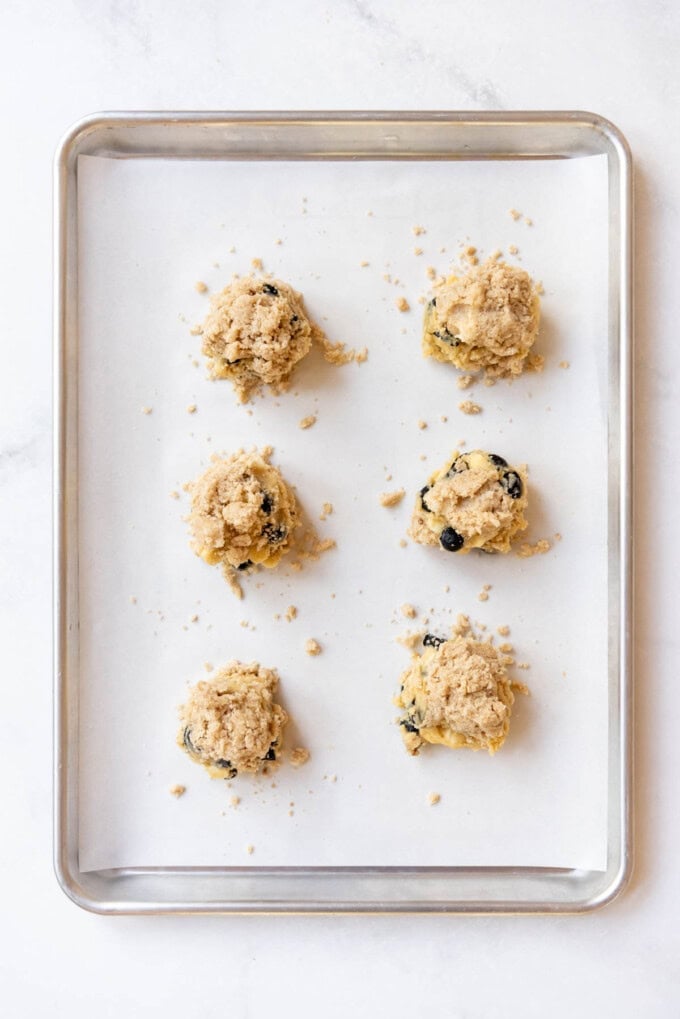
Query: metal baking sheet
x,y
297,875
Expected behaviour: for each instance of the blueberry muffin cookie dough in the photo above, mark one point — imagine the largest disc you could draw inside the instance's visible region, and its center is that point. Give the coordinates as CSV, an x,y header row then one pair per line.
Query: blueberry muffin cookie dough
x,y
458,693
476,500
257,331
242,514
230,723
485,320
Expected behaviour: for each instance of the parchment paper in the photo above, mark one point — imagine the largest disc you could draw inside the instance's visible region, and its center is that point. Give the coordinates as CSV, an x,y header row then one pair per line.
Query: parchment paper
x,y
148,231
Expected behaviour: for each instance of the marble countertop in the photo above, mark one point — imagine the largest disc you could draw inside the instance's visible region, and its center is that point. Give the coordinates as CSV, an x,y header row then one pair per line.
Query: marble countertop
x,y
61,61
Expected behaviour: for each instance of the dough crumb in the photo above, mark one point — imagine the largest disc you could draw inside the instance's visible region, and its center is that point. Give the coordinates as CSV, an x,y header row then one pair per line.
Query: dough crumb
x,y
502,631
147,410
256,263
133,600
364,264
177,790
250,850
417,251
433,799
528,221
392,498
419,230
307,422
422,425
564,364
326,510
411,639
462,626
443,418
540,548
465,381
192,408
235,800
291,613
208,666
403,543
431,272
361,355
484,593
515,214
298,757
174,495
194,618
557,536
402,304
513,249
523,665
201,287
469,407
408,611
312,647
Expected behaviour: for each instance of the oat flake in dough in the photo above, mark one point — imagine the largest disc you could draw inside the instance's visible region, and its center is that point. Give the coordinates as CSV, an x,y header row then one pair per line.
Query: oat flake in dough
x,y
230,723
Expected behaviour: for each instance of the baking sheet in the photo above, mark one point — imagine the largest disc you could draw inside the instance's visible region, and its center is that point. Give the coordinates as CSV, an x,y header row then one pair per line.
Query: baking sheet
x,y
148,231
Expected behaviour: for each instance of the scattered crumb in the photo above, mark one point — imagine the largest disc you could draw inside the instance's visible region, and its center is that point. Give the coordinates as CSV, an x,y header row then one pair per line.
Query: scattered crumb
x,y
402,304
208,666
298,757
147,410
196,330
465,381
250,850
174,495
408,611
326,510
515,214
502,631
191,409
484,593
513,249
403,543
278,241
411,639
418,230
431,272
443,418
422,425
200,286
361,355
433,798
235,800
177,790
468,407
557,536
540,548
506,648
535,363
523,665
194,618
256,263
312,647
564,364
291,613
364,264
528,221
461,626
495,255
308,421
392,498
488,382
539,289
470,255
133,600
417,251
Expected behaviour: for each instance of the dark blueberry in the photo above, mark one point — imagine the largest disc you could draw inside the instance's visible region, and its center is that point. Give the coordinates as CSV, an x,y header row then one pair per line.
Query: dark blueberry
x,y
294,319
237,361
512,484
270,755
429,640
433,302
228,766
497,461
446,337
246,565
267,503
409,726
186,738
451,540
267,288
423,493
458,465
274,535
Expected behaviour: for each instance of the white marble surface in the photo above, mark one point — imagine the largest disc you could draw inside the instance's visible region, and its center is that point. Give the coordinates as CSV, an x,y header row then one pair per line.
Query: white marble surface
x,y
60,61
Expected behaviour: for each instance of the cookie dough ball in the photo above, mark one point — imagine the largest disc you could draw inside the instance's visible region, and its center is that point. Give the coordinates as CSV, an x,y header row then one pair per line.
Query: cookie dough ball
x,y
242,513
487,319
255,333
230,723
476,500
457,693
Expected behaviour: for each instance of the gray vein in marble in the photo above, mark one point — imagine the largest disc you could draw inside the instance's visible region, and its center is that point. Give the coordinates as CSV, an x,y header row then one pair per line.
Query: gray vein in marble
x,y
481,93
